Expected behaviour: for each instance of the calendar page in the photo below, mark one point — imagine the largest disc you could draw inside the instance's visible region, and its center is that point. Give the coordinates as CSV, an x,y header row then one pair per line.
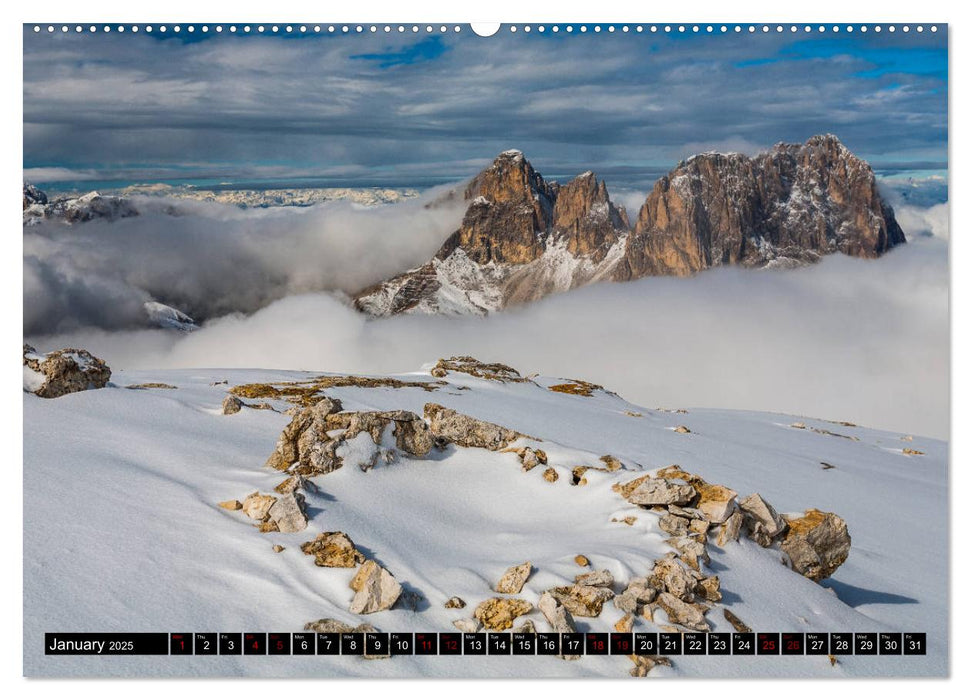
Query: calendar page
x,y
526,350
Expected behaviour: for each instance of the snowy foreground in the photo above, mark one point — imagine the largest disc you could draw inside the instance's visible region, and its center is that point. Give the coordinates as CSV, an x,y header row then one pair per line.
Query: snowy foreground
x,y
122,529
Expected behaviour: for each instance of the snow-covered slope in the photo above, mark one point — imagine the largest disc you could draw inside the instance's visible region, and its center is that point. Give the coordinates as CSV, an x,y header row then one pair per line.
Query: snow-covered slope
x,y
122,529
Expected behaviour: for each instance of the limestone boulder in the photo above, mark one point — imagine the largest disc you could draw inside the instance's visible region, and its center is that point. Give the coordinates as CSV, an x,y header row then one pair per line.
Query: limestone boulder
x,y
232,404
582,601
288,513
376,589
816,543
257,505
763,522
63,372
514,579
498,614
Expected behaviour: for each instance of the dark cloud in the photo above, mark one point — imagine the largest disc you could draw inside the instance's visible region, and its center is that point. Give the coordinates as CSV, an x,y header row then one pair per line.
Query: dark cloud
x,y
384,107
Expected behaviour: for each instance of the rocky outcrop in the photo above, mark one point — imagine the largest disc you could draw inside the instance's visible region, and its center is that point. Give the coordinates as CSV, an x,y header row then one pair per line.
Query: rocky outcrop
x,y
816,543
523,238
63,372
465,431
465,364
317,439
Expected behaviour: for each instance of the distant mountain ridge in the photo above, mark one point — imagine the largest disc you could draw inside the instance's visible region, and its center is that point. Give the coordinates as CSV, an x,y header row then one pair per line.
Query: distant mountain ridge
x,y
523,238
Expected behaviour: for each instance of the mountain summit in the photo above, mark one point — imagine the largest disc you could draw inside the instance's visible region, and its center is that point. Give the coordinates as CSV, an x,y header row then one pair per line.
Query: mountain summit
x,y
523,238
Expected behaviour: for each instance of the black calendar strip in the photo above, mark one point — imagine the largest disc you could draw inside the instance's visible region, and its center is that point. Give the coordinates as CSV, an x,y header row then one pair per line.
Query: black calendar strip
x,y
487,643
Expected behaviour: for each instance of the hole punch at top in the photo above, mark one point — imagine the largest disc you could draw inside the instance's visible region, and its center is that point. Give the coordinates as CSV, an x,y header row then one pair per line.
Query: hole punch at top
x,y
485,28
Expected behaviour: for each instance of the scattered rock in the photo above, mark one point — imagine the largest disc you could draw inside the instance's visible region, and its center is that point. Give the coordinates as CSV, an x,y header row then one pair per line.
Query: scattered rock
x,y
817,544
603,578
578,387
455,603
674,525
556,614
682,429
293,484
650,491
627,520
715,501
376,589
827,465
679,612
909,451
550,475
515,577
907,438
798,426
497,614
691,551
763,522
731,529
278,548
531,457
467,624
582,601
333,549
231,505
636,596
257,505
232,404
735,622
709,589
671,576
581,560
151,385
466,431
288,513
63,372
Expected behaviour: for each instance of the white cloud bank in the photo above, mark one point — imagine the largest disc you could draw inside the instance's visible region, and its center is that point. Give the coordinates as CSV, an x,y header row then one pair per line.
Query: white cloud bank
x,y
847,339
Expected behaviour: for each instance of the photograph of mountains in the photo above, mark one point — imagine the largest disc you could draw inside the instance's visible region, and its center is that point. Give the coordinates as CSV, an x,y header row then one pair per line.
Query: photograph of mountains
x,y
568,329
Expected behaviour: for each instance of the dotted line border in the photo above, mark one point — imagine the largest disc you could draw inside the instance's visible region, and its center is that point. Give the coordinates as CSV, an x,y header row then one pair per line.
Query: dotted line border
x,y
310,29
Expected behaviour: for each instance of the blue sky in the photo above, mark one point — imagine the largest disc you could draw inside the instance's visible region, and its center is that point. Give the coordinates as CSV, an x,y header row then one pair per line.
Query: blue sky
x,y
416,109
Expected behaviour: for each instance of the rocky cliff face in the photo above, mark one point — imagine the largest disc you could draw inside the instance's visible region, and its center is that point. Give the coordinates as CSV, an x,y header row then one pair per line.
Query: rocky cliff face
x,y
787,206
523,238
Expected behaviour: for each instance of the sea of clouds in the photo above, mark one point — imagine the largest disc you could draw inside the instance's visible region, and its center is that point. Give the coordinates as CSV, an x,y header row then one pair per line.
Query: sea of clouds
x,y
848,339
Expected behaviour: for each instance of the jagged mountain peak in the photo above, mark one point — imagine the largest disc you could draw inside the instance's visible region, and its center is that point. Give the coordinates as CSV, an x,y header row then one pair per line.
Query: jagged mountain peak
x,y
524,237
